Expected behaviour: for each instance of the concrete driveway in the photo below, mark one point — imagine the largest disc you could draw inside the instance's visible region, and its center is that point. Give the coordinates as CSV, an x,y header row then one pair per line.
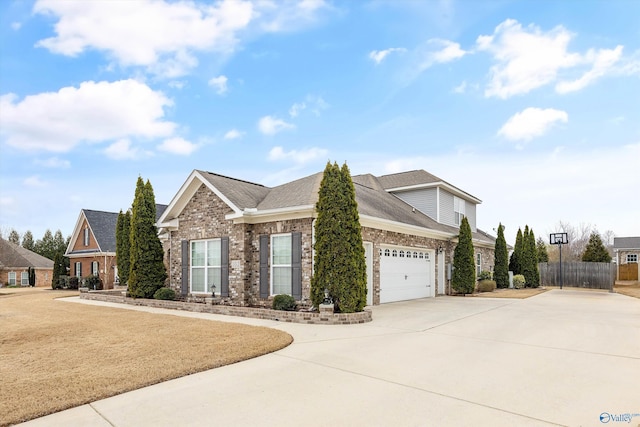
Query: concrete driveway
x,y
564,357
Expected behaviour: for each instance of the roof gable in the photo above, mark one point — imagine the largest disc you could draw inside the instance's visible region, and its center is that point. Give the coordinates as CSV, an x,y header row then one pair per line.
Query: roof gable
x,y
416,179
15,256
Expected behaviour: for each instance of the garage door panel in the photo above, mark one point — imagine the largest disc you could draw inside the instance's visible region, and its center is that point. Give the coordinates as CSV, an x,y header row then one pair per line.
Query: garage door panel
x,y
405,274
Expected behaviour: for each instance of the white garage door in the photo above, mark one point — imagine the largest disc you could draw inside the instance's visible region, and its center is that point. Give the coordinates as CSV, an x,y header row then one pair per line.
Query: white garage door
x,y
405,274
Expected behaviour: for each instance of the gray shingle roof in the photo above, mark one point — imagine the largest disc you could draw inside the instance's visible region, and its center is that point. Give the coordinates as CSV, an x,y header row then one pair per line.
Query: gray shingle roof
x,y
414,178
15,256
626,242
301,192
243,194
103,226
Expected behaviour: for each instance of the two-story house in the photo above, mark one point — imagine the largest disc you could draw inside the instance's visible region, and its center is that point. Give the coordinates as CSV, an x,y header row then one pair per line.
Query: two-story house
x,y
246,242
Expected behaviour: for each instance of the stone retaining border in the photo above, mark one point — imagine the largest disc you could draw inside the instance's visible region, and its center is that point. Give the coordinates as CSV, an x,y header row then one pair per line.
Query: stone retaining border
x,y
311,318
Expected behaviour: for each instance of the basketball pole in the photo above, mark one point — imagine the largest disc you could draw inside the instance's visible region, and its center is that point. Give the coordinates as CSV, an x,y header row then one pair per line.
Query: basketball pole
x,y
560,245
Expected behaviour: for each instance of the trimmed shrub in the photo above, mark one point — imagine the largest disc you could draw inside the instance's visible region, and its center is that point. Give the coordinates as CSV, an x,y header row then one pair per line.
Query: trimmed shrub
x,y
518,281
93,283
165,294
486,285
73,282
284,302
485,275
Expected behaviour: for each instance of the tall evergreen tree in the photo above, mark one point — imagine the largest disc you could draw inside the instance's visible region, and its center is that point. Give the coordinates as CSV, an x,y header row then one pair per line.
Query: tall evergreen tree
x,y
541,249
14,237
529,259
501,260
58,270
339,264
27,241
595,250
59,243
123,246
464,269
46,246
515,263
147,272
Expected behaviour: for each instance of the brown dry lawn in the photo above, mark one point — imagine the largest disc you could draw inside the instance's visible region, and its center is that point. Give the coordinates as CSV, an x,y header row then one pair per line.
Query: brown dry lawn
x,y
56,355
632,289
512,293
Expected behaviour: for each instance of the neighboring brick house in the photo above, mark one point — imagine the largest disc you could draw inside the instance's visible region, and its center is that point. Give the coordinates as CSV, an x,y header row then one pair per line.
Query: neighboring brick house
x,y
15,262
246,242
92,248
627,255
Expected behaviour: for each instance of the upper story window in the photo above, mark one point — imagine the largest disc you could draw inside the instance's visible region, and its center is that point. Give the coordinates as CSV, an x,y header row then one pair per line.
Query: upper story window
x,y
632,258
206,266
86,236
281,264
458,210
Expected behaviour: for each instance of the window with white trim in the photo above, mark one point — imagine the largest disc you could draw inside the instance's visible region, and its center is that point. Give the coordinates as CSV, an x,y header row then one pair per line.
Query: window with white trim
x,y
631,258
86,236
281,264
78,269
458,210
206,266
12,278
94,268
478,264
24,278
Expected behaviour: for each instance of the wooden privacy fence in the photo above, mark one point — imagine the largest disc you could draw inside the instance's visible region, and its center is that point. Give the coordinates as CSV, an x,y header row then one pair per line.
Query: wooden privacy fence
x,y
593,275
628,271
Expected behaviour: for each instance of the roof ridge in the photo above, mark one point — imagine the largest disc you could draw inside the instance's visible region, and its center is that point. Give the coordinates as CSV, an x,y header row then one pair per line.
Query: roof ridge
x,y
232,178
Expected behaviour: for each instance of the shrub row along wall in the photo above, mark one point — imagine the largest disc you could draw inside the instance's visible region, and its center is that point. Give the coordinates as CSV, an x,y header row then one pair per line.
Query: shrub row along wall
x,y
312,318
593,275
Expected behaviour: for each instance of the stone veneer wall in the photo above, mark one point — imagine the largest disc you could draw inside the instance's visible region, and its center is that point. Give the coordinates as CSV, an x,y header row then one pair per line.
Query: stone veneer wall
x,y
307,317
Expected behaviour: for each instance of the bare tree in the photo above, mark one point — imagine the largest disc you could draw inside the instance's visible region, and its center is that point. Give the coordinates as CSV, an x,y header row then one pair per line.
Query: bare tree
x,y
578,237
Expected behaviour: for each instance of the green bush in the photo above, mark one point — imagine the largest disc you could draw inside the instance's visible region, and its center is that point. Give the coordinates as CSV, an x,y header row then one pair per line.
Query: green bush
x,y
165,294
485,275
486,285
284,302
518,281
94,283
73,282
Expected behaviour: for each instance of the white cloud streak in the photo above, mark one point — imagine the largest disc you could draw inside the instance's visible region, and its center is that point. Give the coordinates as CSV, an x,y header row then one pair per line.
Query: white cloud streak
x,y
300,157
233,134
378,56
270,125
219,84
92,112
177,145
531,123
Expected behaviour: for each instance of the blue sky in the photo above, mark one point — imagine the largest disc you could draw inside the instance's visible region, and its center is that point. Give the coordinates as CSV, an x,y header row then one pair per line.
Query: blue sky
x,y
533,107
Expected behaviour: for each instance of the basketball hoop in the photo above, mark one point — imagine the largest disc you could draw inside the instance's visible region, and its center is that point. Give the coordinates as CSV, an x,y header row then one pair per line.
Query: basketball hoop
x,y
559,239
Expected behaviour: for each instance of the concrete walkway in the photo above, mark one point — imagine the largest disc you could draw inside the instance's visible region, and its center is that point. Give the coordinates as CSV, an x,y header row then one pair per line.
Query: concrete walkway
x,y
564,357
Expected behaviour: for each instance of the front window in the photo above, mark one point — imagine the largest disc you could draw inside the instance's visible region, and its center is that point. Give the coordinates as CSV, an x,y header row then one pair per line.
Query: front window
x,y
632,258
281,264
206,266
458,210
78,269
24,278
478,264
12,278
94,268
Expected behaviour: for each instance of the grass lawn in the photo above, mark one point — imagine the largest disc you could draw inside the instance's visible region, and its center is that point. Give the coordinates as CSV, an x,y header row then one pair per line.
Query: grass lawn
x,y
512,293
631,290
56,355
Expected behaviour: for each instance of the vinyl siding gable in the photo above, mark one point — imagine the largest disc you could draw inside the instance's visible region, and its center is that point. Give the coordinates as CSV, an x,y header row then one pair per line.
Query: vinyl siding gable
x,y
425,200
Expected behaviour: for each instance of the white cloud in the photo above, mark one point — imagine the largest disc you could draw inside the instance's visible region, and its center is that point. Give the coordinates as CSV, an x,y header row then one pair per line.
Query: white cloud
x,y
299,157
122,149
278,16
177,145
315,104
34,181
93,112
233,134
158,35
528,58
54,163
531,123
461,88
450,51
177,84
219,84
603,61
379,55
270,125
